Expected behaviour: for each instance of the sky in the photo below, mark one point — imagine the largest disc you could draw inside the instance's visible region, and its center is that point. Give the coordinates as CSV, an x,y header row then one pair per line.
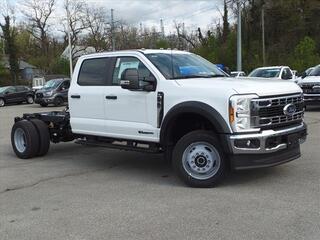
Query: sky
x,y
194,13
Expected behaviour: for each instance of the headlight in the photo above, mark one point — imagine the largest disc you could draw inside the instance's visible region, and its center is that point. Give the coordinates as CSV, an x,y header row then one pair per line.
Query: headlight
x,y
48,94
240,113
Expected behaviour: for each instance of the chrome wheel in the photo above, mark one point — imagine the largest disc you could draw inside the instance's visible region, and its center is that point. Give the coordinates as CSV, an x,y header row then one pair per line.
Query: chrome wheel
x,y
30,100
1,102
201,160
20,140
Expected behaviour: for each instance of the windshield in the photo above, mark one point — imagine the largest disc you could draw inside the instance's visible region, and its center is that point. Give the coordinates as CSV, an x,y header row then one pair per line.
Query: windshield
x,y
2,89
179,66
265,73
315,71
52,84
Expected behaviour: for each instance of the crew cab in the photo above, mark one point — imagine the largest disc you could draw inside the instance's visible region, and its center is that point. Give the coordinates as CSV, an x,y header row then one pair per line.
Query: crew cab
x,y
311,87
175,103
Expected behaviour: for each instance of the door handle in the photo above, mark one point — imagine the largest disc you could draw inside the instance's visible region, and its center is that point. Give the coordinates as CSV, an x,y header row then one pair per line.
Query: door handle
x,y
75,96
111,97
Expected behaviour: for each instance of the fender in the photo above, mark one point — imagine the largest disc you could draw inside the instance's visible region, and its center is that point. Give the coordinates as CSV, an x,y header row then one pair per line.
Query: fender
x,y
195,107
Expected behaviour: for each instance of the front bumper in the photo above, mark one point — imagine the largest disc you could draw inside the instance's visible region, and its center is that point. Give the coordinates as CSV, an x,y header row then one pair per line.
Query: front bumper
x,y
311,98
46,100
266,148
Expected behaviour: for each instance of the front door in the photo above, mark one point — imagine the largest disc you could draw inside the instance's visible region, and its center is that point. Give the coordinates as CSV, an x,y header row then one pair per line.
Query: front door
x,y
11,95
130,114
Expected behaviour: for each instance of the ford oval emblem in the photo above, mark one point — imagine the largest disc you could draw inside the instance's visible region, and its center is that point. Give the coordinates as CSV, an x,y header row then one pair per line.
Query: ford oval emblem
x,y
289,109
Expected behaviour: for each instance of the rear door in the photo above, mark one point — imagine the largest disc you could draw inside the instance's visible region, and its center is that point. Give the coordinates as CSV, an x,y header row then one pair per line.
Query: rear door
x,y
86,96
21,93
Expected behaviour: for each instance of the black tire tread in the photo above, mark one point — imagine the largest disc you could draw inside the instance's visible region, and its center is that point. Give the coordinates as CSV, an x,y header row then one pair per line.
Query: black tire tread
x,y
44,136
32,139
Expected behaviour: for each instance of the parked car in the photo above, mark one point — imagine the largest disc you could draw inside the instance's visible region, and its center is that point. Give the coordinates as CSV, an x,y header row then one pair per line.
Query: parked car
x,y
176,103
311,87
237,74
275,72
53,92
16,94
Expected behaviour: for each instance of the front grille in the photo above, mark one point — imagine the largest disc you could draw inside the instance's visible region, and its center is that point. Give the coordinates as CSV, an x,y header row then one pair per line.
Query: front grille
x,y
39,95
313,88
269,112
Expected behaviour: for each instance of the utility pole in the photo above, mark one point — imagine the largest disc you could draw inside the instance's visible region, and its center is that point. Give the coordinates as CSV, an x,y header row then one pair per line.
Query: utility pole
x,y
69,39
112,32
239,44
162,28
263,38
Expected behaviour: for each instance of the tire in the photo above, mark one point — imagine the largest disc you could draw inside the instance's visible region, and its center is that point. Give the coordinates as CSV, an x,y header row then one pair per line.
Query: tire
x,y
25,139
44,136
2,102
198,159
58,101
43,104
30,99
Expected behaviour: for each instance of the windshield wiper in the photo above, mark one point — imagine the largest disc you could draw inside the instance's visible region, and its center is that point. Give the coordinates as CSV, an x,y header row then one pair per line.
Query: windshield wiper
x,y
198,76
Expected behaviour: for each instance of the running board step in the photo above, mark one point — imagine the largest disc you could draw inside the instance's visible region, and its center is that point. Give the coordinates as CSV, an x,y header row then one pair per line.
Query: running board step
x,y
123,145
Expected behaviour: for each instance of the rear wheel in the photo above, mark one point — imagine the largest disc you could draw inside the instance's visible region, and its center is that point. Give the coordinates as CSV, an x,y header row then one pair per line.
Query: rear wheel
x,y
30,100
25,139
44,136
58,101
2,103
198,159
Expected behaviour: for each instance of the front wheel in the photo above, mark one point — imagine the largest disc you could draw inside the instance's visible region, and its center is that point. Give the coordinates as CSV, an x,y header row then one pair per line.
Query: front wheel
x,y
58,101
198,159
43,104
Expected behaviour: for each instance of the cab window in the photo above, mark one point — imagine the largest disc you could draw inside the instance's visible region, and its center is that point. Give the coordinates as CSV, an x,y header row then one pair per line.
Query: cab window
x,y
123,63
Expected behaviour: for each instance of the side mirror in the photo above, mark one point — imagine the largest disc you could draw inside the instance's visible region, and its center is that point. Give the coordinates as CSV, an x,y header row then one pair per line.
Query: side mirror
x,y
7,92
303,75
149,83
130,79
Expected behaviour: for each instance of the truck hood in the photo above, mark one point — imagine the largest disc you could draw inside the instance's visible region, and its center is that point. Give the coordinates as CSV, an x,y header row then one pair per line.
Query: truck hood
x,y
259,86
310,79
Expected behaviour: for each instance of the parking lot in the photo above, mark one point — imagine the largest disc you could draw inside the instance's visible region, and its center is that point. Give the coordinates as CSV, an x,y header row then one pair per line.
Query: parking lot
x,y
78,192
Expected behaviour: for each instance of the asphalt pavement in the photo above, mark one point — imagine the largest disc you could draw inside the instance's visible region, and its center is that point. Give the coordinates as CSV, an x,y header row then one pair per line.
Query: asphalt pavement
x,y
78,192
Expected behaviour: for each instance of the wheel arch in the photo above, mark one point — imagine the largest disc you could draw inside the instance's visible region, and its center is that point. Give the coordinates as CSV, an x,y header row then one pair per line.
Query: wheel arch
x,y
193,108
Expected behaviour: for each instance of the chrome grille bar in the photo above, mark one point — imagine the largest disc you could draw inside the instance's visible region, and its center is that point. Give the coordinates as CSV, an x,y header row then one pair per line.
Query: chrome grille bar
x,y
269,112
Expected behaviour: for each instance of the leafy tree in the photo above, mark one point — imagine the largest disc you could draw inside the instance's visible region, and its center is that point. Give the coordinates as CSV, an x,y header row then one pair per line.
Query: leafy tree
x,y
305,54
60,66
10,48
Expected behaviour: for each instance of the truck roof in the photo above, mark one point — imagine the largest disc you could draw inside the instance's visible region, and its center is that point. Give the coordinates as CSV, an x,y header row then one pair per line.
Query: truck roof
x,y
270,67
144,51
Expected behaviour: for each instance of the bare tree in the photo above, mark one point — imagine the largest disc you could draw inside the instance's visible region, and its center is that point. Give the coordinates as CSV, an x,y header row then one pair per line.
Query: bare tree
x,y
77,24
95,20
38,14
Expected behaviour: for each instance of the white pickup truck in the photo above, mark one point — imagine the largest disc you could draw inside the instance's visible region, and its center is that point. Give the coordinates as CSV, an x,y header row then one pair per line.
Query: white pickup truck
x,y
176,103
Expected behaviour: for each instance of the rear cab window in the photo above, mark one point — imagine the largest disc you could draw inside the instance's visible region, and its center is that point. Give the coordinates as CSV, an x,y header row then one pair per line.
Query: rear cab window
x,y
94,72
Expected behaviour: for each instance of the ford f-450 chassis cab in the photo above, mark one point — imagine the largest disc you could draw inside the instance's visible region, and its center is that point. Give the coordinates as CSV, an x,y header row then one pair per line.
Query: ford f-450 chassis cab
x,y
176,103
